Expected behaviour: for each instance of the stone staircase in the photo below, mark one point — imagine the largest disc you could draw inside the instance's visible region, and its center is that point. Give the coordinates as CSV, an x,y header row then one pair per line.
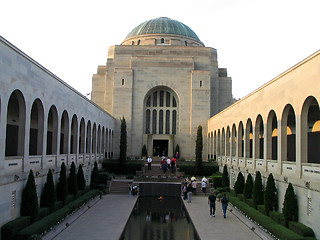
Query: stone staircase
x,y
156,170
119,186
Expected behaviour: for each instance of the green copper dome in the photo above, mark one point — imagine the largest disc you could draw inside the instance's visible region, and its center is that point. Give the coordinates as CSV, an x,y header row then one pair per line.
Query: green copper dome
x,y
163,25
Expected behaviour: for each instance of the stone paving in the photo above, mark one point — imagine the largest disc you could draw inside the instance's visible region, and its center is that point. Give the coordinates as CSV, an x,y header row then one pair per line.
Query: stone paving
x,y
107,219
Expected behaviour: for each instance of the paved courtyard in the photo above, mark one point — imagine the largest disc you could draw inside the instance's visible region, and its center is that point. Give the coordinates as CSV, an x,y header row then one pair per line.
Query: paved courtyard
x,y
107,218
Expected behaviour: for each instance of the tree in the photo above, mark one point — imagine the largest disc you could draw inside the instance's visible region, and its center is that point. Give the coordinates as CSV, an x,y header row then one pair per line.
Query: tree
x,y
62,185
290,205
248,187
258,190
123,143
48,196
239,185
94,175
199,146
144,151
270,194
80,178
225,177
72,180
29,203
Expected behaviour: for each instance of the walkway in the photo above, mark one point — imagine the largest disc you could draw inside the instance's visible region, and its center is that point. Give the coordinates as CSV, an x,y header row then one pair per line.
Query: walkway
x,y
217,227
105,220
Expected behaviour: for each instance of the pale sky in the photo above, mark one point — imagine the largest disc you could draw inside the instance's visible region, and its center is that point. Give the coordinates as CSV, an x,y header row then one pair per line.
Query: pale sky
x,y
256,40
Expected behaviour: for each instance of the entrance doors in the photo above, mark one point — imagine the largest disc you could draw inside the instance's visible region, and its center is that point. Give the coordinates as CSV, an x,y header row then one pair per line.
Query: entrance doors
x,y
160,147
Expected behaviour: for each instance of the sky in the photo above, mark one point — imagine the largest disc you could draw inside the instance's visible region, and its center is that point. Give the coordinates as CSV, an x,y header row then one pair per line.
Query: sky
x,y
256,40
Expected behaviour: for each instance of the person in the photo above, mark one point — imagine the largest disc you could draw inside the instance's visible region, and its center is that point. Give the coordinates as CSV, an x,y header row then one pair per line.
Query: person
x,y
224,201
135,190
204,187
194,186
212,203
177,155
173,163
184,189
189,192
149,162
130,189
164,167
168,162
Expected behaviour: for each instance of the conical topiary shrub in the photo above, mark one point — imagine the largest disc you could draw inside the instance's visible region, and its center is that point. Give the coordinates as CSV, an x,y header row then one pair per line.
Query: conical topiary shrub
x,y
198,150
72,180
144,151
290,205
257,190
29,203
225,177
248,187
80,178
94,176
62,185
48,196
270,194
239,185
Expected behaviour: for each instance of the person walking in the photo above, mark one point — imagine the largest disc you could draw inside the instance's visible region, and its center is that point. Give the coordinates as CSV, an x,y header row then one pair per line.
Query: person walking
x,y
204,187
173,163
164,168
212,203
194,186
224,201
149,160
189,192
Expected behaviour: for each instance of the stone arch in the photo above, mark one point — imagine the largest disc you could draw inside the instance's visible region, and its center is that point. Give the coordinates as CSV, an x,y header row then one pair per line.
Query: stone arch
x,y
234,140
74,135
64,133
36,128
16,122
52,130
249,139
94,139
272,136
103,140
215,148
223,142
310,133
82,136
228,141
99,140
241,140
259,138
219,143
88,137
288,134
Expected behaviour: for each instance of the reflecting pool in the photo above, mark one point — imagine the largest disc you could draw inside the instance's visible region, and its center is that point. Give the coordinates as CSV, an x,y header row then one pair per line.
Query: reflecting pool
x,y
154,218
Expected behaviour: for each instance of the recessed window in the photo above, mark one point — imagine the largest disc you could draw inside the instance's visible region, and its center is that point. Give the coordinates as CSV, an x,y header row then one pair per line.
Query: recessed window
x,y
132,43
122,81
200,83
138,42
162,40
185,43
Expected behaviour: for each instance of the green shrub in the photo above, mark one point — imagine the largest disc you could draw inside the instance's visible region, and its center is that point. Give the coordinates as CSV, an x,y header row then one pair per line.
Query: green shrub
x,y
239,185
47,222
275,228
103,177
270,195
57,205
276,216
301,229
225,177
62,185
80,178
44,211
29,202
189,168
35,237
290,206
69,198
130,176
94,174
72,180
247,191
261,209
198,150
241,197
48,196
144,151
130,167
11,229
217,181
250,202
257,190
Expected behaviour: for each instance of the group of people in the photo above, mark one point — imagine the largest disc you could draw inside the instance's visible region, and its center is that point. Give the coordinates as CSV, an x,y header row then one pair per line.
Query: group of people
x,y
133,190
167,164
189,188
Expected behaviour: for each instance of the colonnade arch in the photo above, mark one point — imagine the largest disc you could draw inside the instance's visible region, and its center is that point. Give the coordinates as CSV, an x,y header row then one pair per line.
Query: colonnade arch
x,y
52,130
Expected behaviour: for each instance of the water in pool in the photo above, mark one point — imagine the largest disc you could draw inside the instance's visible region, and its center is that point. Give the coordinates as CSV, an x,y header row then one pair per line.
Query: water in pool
x,y
154,218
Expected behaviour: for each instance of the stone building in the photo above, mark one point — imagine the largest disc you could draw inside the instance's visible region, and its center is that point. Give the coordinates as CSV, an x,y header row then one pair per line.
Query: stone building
x,y
166,83
278,135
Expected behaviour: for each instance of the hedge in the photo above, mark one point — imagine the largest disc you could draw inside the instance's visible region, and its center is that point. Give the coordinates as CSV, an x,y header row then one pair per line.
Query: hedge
x,y
57,205
217,181
277,217
189,168
301,229
278,230
40,227
42,212
11,229
261,208
250,202
130,166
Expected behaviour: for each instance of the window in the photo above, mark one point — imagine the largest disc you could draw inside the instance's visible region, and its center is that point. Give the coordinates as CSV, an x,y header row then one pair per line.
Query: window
x,y
174,103
155,96
174,121
185,43
162,40
122,82
154,121
161,122
148,103
138,42
161,98
132,43
200,83
168,99
147,121
167,122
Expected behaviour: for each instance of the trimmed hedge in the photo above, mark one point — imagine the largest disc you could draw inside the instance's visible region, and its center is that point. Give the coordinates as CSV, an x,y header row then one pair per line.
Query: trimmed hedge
x,y
42,212
280,231
250,202
69,199
57,205
11,229
301,229
189,168
51,220
217,181
277,217
130,166
261,208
